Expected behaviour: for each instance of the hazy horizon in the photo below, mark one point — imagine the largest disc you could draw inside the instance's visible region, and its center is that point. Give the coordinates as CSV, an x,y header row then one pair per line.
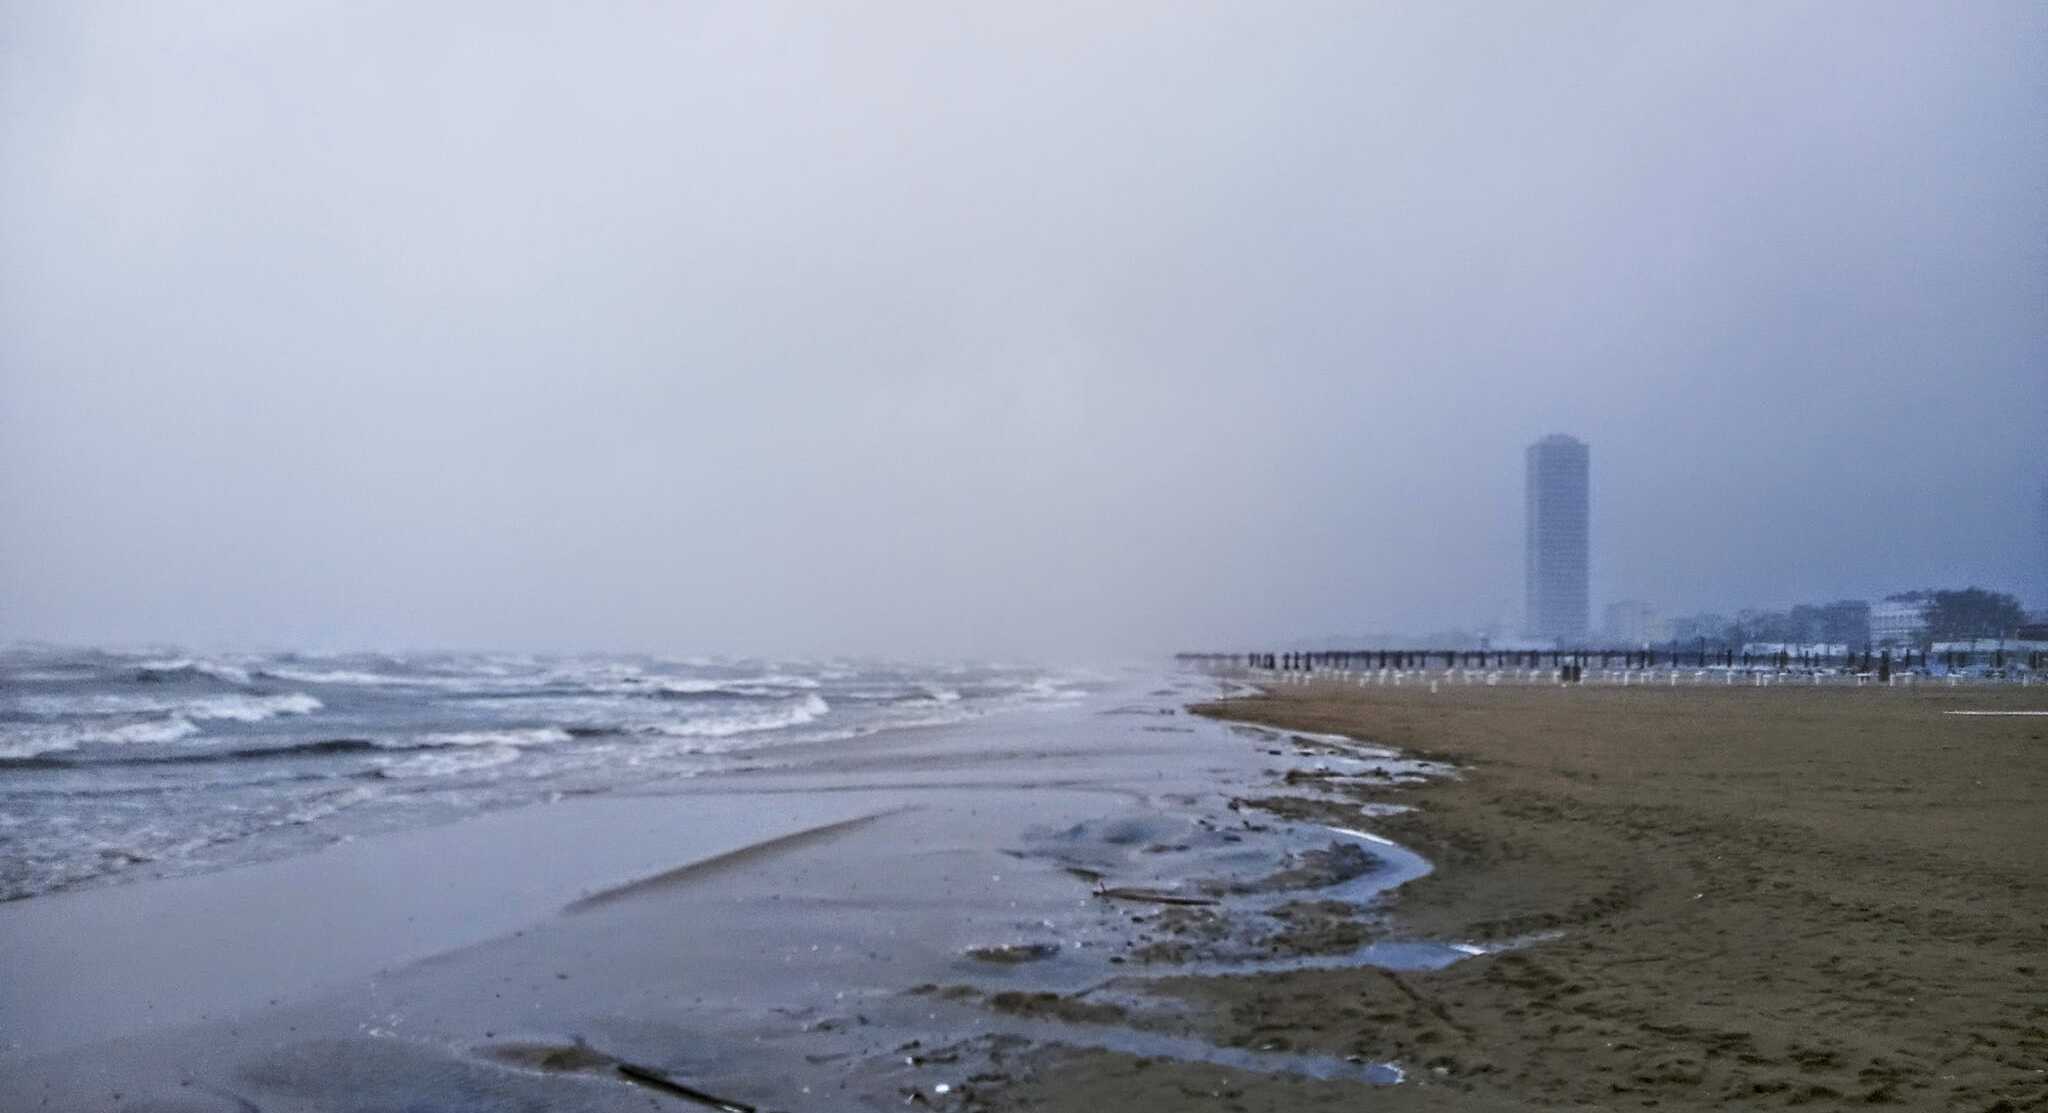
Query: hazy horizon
x,y
1023,331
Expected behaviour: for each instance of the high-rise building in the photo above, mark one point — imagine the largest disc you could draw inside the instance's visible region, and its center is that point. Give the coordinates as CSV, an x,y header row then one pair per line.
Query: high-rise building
x,y
1555,552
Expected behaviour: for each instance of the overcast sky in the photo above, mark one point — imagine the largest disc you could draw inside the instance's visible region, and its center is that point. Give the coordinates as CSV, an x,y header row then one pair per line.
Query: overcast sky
x,y
1001,329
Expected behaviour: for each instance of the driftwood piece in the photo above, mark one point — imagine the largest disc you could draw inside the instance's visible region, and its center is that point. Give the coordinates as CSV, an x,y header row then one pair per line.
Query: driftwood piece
x,y
1150,896
657,1080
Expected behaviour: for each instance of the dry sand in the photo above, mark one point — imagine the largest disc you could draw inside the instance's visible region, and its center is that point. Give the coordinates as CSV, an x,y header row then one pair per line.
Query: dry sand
x,y
1761,898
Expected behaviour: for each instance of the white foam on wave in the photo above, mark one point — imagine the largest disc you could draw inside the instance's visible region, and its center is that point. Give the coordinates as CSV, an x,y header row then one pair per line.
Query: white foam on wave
x,y
252,709
43,739
53,676
156,730
354,677
531,736
441,680
768,684
241,708
807,710
449,763
218,670
781,680
934,716
357,678
621,679
612,678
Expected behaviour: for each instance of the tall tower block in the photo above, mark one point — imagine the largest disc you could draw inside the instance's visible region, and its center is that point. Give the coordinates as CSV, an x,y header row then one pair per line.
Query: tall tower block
x,y
1556,544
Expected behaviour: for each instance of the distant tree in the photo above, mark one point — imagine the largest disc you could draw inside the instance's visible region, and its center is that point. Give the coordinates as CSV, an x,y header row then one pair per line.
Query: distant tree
x,y
1972,613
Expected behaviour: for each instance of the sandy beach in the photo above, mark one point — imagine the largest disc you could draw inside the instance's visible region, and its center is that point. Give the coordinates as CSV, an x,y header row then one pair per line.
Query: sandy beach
x,y
1738,898
1481,898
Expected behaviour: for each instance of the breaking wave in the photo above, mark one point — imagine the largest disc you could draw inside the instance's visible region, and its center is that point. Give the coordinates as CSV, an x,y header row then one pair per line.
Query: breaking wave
x,y
251,709
57,759
806,710
40,740
444,764
535,736
187,667
240,708
357,678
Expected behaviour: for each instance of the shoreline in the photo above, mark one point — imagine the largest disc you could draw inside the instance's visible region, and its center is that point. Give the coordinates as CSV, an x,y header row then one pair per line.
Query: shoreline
x,y
962,891
1737,897
1500,898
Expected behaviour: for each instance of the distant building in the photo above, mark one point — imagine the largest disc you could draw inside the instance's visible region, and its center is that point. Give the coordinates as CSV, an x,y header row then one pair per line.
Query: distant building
x,y
1900,620
1633,623
1708,627
1556,542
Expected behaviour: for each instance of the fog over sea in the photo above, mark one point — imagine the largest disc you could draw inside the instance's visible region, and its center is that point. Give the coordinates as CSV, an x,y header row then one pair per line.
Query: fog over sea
x,y
125,764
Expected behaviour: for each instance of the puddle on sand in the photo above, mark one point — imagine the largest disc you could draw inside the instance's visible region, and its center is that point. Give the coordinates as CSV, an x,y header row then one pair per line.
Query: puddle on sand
x,y
1250,865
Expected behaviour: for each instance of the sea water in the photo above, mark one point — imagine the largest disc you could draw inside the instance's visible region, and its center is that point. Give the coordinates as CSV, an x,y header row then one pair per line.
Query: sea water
x,y
117,765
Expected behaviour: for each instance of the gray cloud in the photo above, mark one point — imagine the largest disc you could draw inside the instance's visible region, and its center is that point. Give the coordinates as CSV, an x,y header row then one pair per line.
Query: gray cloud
x,y
1032,329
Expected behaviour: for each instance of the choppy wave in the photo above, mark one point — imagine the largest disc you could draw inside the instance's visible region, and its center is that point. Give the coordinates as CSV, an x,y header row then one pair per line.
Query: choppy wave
x,y
53,676
240,708
748,686
180,758
90,720
807,710
535,736
252,709
317,747
361,679
189,667
469,760
39,740
323,747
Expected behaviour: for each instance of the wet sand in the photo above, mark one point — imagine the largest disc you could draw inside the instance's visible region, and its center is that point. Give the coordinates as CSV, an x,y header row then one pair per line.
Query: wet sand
x,y
1728,898
96,964
1701,899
